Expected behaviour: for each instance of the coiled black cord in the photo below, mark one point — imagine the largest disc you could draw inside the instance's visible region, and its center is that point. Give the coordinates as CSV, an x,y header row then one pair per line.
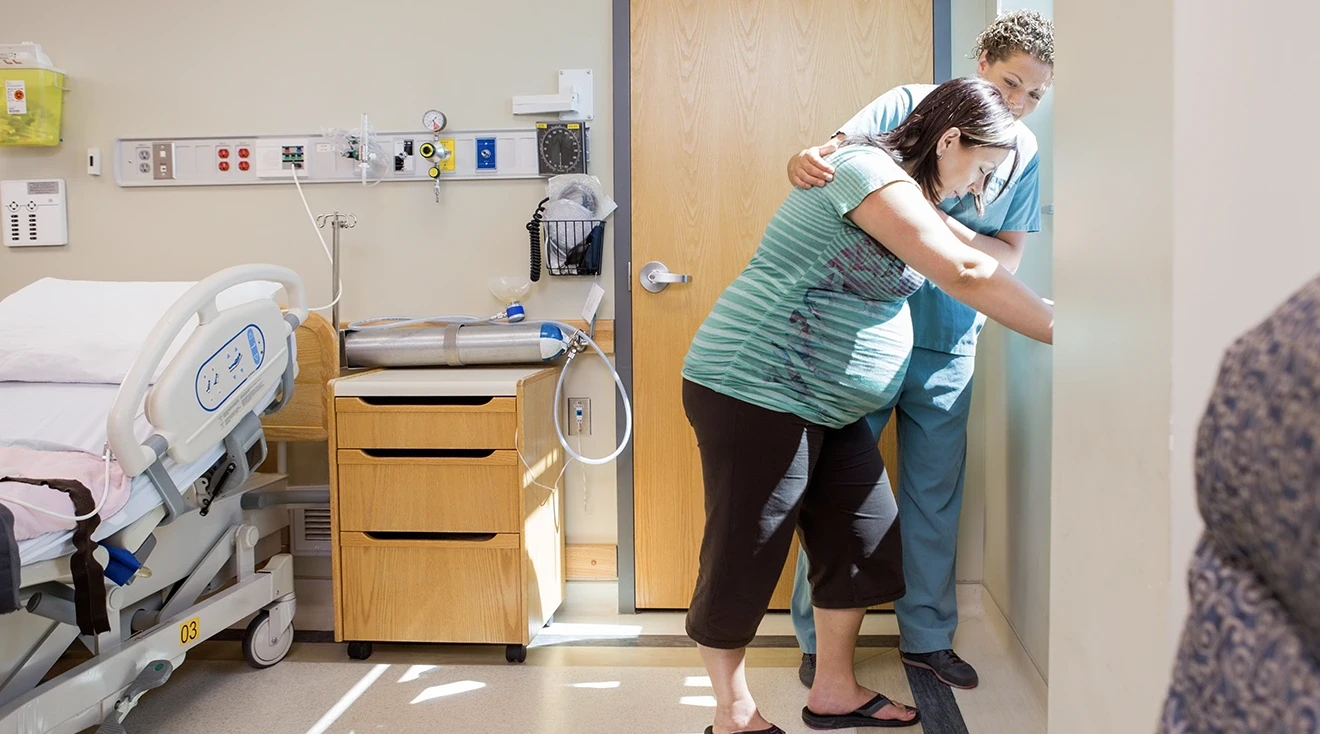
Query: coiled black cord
x,y
534,233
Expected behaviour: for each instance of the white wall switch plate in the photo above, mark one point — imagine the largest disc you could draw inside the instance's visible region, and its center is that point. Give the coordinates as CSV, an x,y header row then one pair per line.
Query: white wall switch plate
x,y
94,161
34,213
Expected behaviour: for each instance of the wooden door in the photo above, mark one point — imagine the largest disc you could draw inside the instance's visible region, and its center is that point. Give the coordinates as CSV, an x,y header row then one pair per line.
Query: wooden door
x,y
723,92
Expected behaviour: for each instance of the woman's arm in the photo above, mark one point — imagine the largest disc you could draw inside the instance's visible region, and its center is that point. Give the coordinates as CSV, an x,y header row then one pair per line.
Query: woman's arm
x,y
808,168
901,218
1006,247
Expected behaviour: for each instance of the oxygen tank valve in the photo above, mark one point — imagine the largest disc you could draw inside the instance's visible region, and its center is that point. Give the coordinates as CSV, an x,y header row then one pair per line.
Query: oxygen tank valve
x,y
576,345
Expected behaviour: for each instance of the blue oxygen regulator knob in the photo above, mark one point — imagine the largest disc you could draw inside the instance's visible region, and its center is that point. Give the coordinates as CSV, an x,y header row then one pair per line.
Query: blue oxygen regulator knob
x,y
515,313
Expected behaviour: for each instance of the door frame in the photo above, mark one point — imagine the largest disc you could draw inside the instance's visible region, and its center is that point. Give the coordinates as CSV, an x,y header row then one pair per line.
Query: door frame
x,y
941,47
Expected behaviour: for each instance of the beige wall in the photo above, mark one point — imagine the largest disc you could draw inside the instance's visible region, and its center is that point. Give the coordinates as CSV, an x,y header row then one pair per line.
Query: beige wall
x,y
1113,276
966,20
1240,248
1014,377
151,67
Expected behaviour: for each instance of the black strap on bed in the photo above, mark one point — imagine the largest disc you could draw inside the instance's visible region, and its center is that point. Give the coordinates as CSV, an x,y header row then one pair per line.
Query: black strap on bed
x,y
88,576
11,567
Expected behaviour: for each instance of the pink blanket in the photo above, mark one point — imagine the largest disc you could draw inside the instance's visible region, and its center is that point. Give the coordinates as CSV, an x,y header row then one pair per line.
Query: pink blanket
x,y
83,467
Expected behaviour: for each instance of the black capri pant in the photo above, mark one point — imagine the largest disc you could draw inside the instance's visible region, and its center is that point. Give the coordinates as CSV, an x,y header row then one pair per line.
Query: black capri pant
x,y
767,473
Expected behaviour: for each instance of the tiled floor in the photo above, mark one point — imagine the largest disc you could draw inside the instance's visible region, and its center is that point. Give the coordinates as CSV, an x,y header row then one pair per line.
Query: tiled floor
x,y
562,687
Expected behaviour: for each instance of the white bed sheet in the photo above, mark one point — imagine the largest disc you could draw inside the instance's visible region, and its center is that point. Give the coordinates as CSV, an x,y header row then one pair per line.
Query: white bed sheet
x,y
74,414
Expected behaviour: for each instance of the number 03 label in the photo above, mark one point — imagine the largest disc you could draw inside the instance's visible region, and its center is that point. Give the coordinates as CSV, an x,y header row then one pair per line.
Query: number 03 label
x,y
189,631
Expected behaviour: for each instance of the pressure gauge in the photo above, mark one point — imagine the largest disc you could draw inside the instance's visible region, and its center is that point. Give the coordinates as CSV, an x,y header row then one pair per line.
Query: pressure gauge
x,y
561,148
434,120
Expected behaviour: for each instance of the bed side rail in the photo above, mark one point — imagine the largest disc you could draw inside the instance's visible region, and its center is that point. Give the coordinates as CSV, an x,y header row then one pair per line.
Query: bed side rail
x,y
223,373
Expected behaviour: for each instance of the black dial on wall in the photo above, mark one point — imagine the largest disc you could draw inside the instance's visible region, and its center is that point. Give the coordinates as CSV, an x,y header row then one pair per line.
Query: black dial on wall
x,y
561,148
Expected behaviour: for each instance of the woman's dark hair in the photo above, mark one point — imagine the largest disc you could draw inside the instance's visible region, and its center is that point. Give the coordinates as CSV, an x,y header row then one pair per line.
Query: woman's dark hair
x,y
971,104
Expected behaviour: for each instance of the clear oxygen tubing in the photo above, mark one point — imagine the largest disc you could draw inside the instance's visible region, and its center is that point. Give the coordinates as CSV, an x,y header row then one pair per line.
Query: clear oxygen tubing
x,y
571,332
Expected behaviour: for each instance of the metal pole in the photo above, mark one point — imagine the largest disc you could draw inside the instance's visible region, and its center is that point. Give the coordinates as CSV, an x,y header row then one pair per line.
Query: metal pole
x,y
335,225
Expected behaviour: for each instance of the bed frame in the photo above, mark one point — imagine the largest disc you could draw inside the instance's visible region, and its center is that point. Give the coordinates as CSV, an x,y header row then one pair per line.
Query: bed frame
x,y
307,416
204,579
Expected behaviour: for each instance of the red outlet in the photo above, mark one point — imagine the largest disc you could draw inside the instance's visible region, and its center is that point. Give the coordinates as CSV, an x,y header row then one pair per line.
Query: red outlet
x,y
244,152
244,165
224,165
224,152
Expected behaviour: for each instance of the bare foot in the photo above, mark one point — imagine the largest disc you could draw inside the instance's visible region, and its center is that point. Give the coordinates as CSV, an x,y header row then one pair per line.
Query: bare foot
x,y
834,703
733,720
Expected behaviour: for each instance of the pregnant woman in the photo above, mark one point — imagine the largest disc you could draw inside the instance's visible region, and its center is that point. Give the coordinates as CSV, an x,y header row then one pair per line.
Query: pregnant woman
x,y
809,339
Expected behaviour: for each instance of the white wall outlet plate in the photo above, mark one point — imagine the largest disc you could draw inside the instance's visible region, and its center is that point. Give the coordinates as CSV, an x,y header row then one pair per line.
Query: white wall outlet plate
x,y
34,213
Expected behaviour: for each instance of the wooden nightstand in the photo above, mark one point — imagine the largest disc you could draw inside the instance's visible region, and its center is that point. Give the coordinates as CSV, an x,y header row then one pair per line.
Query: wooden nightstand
x,y
441,533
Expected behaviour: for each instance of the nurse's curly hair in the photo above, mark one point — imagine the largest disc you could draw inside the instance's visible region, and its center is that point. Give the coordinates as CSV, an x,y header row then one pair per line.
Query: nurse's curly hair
x,y
1021,30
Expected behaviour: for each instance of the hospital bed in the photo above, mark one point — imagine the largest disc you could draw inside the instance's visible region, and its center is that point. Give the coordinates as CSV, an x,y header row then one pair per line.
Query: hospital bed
x,y
195,512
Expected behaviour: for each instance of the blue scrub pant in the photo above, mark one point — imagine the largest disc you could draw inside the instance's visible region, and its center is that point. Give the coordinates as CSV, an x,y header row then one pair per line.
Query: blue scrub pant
x,y
932,408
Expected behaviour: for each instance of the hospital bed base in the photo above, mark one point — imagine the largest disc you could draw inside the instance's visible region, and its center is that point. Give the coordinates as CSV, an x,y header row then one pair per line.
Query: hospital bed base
x,y
94,691
191,557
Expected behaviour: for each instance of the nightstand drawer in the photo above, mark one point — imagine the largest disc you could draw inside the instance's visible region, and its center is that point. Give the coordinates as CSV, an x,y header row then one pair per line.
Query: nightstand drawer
x,y
460,591
393,491
388,423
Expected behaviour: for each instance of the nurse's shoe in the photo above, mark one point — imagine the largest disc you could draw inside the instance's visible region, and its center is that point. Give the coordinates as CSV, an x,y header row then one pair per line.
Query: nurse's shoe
x,y
807,670
950,669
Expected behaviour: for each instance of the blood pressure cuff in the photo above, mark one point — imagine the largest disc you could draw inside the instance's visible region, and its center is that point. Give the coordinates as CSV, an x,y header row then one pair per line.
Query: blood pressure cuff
x,y
88,576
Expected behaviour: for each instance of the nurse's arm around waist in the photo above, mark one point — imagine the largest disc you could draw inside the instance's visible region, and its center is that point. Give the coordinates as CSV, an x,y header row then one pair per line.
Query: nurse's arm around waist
x,y
899,216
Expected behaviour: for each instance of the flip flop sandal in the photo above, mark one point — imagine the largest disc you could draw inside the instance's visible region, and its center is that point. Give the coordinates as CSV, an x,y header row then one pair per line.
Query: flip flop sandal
x,y
864,716
772,730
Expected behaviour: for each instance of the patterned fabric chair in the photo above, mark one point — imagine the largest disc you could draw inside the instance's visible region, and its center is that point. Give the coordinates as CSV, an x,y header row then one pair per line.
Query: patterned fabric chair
x,y
1249,660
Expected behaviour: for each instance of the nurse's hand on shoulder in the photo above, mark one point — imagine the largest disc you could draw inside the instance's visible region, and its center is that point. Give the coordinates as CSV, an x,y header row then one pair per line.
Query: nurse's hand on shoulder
x,y
808,168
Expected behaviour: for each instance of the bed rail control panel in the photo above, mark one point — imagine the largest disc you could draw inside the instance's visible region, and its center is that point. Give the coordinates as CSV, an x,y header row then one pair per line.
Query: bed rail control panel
x,y
225,372
34,213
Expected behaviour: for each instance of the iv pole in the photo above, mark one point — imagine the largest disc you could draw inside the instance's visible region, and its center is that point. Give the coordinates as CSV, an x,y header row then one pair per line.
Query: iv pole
x,y
337,222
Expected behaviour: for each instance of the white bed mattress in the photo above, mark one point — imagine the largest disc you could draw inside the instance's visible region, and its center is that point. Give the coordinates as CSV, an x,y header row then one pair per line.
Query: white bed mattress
x,y
74,414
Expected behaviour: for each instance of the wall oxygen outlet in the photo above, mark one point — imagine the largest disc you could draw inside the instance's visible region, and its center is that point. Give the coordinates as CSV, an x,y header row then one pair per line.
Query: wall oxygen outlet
x,y
486,154
579,416
448,144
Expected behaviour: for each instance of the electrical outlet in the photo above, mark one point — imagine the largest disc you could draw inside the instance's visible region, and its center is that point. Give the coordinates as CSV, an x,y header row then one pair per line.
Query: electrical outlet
x,y
162,161
579,416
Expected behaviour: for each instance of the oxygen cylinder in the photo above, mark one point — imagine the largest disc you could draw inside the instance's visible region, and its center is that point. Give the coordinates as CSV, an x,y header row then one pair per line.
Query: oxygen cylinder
x,y
454,345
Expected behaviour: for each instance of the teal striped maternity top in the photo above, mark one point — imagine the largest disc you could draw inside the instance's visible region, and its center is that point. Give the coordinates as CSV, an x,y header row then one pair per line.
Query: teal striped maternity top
x,y
817,325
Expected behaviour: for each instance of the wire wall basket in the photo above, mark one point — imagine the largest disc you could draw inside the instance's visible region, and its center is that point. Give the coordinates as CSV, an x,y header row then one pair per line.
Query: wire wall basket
x,y
573,247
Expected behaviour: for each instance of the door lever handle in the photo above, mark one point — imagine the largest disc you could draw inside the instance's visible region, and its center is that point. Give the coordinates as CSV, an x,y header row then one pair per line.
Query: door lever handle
x,y
655,277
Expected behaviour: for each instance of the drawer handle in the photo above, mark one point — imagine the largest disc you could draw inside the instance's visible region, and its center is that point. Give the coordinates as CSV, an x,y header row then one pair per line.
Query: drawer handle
x,y
429,453
459,537
424,400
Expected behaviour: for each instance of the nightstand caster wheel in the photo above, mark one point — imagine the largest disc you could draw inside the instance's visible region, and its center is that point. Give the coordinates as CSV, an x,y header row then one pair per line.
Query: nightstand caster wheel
x,y
516,653
359,650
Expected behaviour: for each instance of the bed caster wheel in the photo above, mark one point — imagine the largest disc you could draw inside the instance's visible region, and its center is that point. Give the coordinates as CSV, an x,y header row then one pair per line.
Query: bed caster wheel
x,y
515,653
359,650
259,647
